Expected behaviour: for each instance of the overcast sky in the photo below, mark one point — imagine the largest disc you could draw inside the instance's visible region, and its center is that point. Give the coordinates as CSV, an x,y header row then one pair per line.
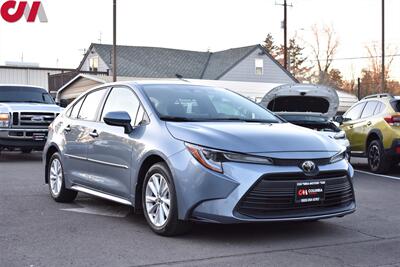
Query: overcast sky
x,y
195,25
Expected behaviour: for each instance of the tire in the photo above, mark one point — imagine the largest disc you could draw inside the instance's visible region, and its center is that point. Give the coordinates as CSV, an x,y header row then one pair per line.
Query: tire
x,y
55,178
378,162
159,190
26,150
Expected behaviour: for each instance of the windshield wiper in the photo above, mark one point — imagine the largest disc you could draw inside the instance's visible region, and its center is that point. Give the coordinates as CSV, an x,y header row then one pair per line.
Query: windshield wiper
x,y
244,120
31,101
172,118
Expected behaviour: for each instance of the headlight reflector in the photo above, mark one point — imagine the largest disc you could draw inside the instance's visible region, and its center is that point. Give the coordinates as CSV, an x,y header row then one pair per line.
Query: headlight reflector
x,y
4,120
340,135
339,156
213,159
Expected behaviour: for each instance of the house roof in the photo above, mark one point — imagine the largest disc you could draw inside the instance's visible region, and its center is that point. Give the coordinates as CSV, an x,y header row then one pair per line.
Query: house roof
x,y
156,62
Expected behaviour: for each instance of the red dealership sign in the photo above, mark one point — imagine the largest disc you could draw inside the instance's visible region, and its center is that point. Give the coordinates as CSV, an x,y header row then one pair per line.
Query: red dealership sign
x,y
12,11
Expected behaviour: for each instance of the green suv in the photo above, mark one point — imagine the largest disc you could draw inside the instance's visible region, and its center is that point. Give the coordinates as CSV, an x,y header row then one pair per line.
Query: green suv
x,y
373,129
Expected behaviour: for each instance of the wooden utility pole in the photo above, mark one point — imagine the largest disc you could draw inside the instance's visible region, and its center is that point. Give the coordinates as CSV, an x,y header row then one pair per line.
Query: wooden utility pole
x,y
114,56
284,26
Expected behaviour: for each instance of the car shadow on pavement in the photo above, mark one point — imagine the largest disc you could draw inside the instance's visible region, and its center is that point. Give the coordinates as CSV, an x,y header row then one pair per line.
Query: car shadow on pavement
x,y
242,233
17,156
362,165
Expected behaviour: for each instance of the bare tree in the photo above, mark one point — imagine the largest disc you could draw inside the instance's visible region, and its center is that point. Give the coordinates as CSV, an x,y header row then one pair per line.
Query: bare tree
x,y
324,48
371,78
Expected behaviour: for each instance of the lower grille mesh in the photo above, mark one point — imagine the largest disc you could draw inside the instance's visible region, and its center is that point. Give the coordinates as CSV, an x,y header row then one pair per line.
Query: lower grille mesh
x,y
272,197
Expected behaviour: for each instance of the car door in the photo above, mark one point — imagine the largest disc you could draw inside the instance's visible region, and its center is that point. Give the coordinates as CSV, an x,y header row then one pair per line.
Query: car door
x,y
75,149
110,152
367,124
353,126
80,135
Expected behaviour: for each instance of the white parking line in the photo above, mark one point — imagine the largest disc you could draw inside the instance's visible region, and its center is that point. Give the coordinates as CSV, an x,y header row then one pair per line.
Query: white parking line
x,y
380,175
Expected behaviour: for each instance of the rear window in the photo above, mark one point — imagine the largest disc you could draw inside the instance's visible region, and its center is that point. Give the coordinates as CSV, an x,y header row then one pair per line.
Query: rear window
x,y
396,105
299,104
21,94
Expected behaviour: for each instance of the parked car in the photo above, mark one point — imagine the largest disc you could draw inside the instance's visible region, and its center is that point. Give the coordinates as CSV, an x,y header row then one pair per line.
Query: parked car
x,y
182,152
310,106
373,128
25,114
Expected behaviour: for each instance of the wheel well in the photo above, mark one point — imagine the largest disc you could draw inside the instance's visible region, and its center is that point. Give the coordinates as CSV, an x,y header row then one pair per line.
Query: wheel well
x,y
49,153
147,163
371,137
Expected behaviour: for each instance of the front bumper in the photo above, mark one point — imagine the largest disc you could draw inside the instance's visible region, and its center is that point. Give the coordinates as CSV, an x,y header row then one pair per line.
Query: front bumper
x,y
207,196
23,138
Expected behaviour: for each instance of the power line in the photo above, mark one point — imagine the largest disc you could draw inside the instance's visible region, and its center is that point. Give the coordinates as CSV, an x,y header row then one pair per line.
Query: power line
x,y
355,58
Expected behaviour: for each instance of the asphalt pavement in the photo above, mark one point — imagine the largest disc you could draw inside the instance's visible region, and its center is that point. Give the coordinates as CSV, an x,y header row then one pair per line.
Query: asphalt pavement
x,y
36,231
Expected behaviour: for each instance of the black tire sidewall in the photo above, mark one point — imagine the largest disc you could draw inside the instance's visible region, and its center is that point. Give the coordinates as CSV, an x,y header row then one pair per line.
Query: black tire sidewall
x,y
383,166
163,169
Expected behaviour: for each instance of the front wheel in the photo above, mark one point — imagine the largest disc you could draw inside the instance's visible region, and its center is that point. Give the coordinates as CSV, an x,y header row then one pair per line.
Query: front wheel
x,y
55,178
160,202
377,161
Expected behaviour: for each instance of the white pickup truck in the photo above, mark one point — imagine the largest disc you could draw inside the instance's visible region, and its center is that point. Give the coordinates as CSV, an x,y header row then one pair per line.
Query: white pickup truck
x,y
25,114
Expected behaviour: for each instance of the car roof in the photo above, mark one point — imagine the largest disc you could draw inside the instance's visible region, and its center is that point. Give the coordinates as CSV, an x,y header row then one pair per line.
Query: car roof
x,y
21,85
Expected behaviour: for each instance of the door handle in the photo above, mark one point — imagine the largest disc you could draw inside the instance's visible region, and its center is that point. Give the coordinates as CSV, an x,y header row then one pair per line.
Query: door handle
x,y
68,128
369,123
94,134
351,126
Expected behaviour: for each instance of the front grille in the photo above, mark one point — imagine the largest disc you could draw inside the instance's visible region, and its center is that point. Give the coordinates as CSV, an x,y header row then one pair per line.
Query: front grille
x,y
275,196
15,118
33,119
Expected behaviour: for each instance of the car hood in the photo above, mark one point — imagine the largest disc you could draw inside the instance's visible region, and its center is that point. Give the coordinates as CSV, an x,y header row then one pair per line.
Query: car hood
x,y
302,98
29,107
252,137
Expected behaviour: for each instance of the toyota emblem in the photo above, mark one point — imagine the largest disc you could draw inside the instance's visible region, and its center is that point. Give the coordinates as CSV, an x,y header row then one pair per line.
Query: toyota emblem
x,y
309,167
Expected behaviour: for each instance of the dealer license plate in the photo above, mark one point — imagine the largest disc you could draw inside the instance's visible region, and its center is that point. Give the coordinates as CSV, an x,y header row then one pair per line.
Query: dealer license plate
x,y
310,192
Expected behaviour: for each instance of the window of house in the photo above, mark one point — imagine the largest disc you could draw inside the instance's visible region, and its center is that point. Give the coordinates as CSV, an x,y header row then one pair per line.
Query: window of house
x,y
94,63
259,66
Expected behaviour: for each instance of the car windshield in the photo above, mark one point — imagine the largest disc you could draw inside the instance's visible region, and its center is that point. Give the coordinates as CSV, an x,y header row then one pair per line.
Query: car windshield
x,y
23,94
303,118
202,103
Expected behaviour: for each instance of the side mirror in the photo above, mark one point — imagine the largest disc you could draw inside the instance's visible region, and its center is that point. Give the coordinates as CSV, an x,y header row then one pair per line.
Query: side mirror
x,y
119,118
339,119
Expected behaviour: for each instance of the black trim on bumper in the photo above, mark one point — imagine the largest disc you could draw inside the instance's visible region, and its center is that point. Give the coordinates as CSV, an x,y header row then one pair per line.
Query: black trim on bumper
x,y
391,152
15,143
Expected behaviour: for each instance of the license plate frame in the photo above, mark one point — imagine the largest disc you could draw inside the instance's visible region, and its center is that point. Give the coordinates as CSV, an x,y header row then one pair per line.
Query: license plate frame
x,y
310,192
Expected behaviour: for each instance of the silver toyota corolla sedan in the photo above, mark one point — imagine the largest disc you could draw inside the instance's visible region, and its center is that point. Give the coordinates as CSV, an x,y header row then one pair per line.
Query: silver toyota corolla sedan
x,y
179,152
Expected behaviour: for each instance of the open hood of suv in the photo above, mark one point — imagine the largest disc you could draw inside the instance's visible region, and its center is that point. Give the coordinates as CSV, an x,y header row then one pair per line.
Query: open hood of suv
x,y
302,98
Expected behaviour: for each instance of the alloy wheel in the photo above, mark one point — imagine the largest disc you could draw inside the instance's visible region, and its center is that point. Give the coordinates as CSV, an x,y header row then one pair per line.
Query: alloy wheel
x,y
56,177
158,199
374,156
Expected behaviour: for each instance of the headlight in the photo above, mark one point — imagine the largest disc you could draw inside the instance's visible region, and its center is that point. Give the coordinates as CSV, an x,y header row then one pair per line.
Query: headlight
x,y
213,159
4,120
340,135
339,156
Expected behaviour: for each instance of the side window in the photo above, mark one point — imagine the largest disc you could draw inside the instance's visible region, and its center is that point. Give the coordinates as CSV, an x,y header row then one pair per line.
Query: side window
x,y
379,109
355,112
123,99
91,104
369,109
75,109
